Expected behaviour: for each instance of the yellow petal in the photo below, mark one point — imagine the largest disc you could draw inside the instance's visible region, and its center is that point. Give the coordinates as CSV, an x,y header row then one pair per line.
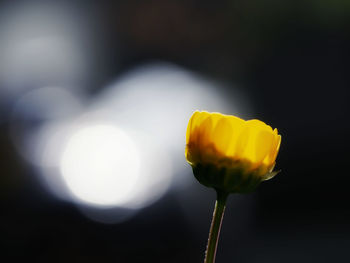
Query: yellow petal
x,y
222,135
198,118
246,144
205,132
237,127
263,145
189,127
242,142
277,147
271,157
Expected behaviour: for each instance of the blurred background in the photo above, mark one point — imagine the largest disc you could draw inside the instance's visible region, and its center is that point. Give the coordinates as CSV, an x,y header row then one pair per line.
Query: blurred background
x,y
94,102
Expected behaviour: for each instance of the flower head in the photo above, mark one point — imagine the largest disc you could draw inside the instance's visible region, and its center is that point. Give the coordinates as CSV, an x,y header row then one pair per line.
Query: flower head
x,y
229,153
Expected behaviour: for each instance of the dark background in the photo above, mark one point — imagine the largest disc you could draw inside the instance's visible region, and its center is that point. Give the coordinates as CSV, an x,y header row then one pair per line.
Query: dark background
x,y
290,58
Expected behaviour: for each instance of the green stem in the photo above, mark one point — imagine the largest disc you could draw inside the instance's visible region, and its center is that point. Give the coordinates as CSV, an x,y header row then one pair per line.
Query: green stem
x,y
215,227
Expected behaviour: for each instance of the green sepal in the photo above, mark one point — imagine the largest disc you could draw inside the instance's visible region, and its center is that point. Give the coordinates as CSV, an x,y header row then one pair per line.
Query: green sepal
x,y
228,179
270,175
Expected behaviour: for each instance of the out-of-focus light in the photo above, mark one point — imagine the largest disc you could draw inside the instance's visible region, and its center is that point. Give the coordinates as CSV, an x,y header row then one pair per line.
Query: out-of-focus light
x,y
39,128
42,60
110,215
45,153
156,172
47,103
126,150
40,45
158,99
32,120
51,146
100,165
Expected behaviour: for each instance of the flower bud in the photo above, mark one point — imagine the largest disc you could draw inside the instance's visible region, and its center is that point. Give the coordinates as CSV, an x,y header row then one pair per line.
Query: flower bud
x,y
230,154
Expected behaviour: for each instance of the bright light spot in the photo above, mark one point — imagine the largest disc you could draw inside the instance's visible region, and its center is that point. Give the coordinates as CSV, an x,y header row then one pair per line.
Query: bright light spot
x,y
100,165
70,140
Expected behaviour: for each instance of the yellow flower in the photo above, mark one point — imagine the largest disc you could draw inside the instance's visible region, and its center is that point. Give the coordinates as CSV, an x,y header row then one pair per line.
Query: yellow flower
x,y
229,153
